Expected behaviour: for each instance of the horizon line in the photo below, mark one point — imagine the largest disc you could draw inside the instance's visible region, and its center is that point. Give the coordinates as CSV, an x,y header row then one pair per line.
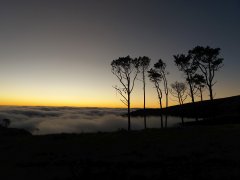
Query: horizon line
x,y
106,107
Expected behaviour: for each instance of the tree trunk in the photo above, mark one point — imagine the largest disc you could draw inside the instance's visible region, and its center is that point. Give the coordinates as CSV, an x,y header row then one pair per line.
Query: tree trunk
x,y
161,120
160,100
129,119
166,100
179,100
160,103
144,100
211,93
200,89
144,94
166,120
210,78
191,91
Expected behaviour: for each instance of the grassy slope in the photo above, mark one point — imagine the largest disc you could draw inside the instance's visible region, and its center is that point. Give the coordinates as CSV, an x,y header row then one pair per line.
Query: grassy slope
x,y
177,153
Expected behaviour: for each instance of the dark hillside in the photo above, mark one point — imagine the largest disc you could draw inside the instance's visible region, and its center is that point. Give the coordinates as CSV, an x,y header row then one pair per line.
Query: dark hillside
x,y
224,107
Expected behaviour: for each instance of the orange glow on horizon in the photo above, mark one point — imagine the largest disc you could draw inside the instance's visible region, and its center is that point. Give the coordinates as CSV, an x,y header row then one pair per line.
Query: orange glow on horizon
x,y
73,98
14,102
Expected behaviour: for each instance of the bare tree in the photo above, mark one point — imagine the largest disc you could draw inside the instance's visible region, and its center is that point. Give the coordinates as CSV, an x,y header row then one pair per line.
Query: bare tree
x,y
178,90
208,61
156,78
160,67
143,67
186,65
200,84
126,70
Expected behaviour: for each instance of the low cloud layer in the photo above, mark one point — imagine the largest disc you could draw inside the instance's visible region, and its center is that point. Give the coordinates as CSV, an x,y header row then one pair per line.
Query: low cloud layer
x,y
49,120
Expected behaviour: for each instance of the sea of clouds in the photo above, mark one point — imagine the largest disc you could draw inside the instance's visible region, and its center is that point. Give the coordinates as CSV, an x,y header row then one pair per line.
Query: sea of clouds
x,y
51,120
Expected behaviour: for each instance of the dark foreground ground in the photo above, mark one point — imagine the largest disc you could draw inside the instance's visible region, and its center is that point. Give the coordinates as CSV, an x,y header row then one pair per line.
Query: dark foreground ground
x,y
193,152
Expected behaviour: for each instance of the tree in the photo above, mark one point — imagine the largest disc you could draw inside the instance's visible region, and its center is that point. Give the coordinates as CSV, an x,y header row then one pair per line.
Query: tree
x,y
178,90
126,70
186,65
5,123
143,67
160,67
200,84
208,61
156,78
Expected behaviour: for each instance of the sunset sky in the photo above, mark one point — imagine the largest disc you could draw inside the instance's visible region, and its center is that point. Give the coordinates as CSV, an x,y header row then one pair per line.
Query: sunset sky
x,y
58,52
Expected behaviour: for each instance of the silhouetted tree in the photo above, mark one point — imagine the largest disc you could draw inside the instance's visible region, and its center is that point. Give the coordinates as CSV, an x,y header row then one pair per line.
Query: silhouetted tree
x,y
143,67
156,78
186,65
208,61
126,70
160,67
178,90
200,84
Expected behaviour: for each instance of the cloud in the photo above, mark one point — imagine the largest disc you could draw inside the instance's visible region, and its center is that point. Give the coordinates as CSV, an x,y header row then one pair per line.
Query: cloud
x,y
45,120
49,120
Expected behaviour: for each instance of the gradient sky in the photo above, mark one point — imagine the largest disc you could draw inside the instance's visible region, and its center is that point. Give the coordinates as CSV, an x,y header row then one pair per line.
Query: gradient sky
x,y
58,52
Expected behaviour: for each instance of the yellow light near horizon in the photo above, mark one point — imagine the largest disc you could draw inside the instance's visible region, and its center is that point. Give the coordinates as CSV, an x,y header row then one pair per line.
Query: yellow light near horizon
x,y
44,102
63,99
56,95
39,101
70,104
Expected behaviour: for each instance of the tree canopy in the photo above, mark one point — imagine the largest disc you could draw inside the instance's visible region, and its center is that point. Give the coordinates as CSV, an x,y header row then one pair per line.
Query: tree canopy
x,y
208,61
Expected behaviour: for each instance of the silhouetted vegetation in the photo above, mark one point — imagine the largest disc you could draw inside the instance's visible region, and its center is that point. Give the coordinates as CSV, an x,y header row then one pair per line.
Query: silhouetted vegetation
x,y
178,90
144,63
189,68
126,70
199,66
156,78
208,61
160,68
200,84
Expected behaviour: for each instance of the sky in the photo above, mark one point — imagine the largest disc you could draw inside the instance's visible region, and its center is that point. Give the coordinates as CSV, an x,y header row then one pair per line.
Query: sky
x,y
58,52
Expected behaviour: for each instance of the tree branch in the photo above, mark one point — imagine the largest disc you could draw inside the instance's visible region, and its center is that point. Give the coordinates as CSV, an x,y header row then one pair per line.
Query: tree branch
x,y
124,102
120,92
134,81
